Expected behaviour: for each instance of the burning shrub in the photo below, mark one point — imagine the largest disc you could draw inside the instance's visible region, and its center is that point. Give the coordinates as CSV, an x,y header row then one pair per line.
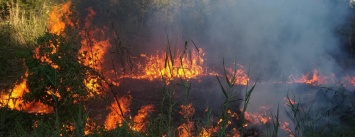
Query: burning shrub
x,y
57,80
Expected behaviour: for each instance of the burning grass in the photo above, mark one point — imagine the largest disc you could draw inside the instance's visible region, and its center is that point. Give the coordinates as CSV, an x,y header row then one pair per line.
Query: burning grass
x,y
66,76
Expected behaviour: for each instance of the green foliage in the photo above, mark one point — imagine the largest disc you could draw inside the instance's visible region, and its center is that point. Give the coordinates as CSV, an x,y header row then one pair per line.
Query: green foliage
x,y
26,20
11,62
15,123
64,83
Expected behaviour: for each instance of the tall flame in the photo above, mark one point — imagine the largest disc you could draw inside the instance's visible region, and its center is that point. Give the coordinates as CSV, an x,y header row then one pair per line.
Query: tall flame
x,y
92,50
117,112
187,111
59,18
140,120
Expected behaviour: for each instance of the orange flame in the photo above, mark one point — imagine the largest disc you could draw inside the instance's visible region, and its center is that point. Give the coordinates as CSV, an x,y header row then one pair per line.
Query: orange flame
x,y
256,118
140,120
89,126
164,65
260,117
116,116
59,18
187,112
241,78
14,99
314,79
57,21
92,50
286,127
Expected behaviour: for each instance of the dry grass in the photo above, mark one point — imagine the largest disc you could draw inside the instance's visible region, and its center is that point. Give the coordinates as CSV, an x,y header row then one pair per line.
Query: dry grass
x,y
25,22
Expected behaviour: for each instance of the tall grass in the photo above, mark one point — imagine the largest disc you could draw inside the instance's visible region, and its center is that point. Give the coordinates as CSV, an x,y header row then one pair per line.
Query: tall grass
x,y
26,21
21,24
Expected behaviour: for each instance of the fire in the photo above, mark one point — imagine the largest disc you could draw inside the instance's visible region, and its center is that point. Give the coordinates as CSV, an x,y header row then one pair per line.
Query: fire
x,y
118,110
59,18
286,127
204,133
184,65
140,120
163,65
187,112
57,21
14,100
241,78
16,93
260,117
314,79
89,126
92,50
257,118
289,101
350,80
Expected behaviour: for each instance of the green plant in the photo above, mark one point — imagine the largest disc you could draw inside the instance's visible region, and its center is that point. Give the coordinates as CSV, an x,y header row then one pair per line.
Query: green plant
x,y
229,99
28,20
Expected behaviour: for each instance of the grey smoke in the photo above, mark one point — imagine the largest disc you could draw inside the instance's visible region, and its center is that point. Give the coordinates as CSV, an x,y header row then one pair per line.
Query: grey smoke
x,y
272,38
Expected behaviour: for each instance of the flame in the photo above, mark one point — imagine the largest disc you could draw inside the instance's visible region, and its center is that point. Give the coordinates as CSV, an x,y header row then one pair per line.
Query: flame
x,y
259,117
204,133
163,65
117,113
314,79
350,80
241,78
286,126
289,101
57,21
89,126
14,100
92,51
256,118
187,111
59,18
140,120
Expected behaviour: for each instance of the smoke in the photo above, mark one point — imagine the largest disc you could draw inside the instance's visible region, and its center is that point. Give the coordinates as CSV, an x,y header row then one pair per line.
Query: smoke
x,y
272,39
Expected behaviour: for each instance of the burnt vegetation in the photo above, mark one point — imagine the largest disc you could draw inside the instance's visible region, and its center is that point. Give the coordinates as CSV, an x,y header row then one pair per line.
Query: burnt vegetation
x,y
72,68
